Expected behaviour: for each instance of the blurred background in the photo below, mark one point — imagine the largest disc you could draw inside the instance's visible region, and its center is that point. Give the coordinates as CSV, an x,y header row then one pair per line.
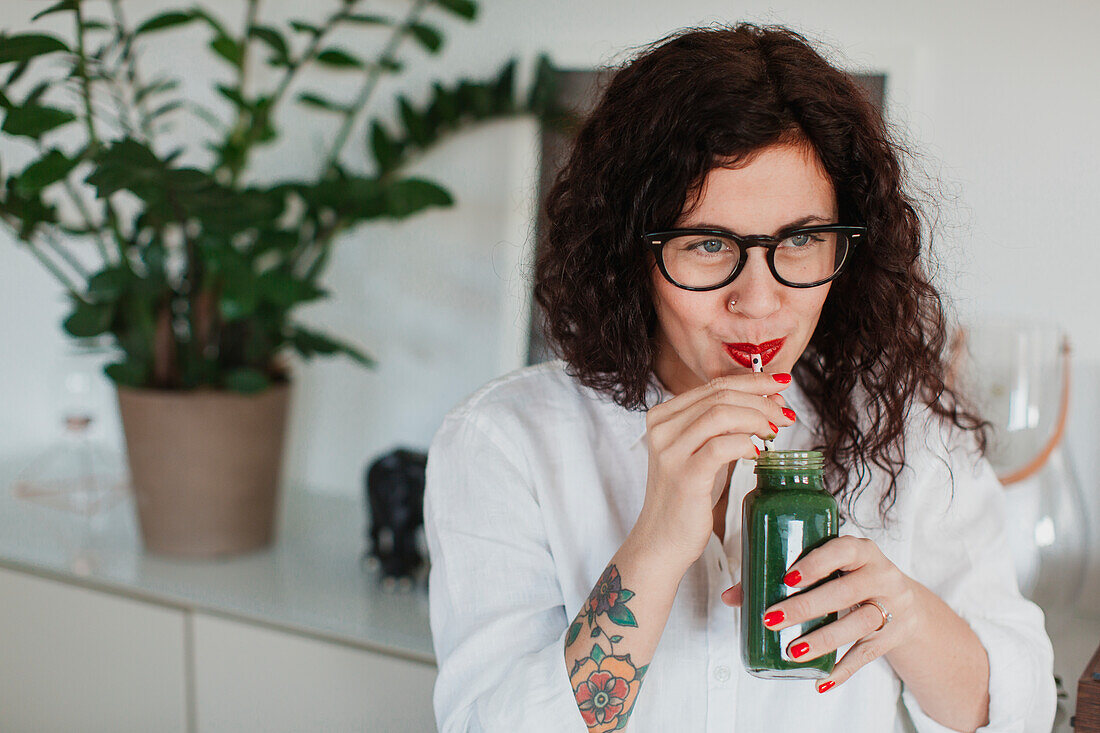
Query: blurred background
x,y
997,100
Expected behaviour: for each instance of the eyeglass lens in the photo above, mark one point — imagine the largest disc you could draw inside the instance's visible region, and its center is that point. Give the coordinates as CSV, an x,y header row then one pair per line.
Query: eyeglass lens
x,y
703,260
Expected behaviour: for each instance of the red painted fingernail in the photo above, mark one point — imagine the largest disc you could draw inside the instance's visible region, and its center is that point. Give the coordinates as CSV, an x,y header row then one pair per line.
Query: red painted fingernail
x,y
792,578
790,414
773,618
774,428
756,449
782,378
825,686
799,649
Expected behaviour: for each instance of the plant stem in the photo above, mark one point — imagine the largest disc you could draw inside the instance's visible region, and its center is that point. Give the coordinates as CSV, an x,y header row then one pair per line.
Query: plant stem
x,y
64,254
93,138
288,76
373,74
70,287
134,78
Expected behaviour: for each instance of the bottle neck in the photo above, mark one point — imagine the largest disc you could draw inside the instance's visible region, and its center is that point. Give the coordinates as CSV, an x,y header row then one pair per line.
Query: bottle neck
x,y
804,480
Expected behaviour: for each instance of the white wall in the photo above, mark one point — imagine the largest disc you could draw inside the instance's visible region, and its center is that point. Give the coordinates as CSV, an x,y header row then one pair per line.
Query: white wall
x,y
998,98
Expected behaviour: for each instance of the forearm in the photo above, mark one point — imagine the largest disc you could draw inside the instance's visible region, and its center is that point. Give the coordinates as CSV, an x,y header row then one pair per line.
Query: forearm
x,y
614,635
946,667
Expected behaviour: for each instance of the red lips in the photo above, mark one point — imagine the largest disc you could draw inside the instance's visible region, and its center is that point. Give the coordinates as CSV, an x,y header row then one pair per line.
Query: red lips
x,y
742,353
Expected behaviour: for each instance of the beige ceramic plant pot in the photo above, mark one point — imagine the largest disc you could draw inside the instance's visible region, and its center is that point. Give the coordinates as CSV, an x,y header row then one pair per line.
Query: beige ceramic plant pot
x,y
205,467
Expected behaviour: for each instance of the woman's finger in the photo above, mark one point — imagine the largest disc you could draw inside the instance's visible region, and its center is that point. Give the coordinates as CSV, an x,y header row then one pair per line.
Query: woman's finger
x,y
717,452
831,596
845,553
845,630
723,420
760,384
862,653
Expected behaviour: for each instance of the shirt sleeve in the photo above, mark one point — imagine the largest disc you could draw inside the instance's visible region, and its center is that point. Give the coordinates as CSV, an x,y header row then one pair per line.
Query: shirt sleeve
x,y
961,553
496,608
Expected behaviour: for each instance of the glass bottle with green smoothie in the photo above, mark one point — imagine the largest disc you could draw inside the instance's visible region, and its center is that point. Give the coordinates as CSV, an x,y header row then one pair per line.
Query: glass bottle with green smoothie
x,y
787,515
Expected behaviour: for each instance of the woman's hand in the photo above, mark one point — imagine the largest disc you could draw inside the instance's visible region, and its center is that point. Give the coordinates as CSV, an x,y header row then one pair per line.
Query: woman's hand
x,y
867,574
693,438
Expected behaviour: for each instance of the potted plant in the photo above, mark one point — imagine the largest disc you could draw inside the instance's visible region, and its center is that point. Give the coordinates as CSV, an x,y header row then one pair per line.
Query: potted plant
x,y
198,267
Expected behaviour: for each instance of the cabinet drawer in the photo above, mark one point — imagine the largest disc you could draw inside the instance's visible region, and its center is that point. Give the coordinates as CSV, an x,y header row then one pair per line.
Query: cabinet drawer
x,y
254,678
76,659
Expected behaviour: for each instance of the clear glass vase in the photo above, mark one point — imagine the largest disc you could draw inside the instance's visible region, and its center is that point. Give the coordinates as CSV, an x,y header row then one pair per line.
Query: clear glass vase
x,y
79,471
1019,375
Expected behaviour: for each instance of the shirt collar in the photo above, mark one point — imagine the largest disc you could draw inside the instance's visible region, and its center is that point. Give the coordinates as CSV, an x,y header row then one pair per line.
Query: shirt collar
x,y
634,421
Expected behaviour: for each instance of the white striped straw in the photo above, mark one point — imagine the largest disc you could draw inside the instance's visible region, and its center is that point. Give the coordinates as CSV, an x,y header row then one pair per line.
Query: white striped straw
x,y
758,366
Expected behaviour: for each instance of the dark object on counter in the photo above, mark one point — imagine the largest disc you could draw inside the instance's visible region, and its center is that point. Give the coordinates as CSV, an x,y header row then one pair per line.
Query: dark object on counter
x,y
1087,717
394,493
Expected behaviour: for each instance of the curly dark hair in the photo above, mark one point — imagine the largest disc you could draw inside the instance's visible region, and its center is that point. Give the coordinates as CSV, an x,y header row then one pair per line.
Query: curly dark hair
x,y
704,97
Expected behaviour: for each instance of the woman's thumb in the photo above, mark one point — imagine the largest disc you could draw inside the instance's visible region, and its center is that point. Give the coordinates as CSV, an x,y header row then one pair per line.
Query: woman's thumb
x,y
732,596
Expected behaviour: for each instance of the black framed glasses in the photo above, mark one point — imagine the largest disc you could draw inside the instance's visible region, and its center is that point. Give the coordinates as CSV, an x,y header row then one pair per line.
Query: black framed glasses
x,y
708,259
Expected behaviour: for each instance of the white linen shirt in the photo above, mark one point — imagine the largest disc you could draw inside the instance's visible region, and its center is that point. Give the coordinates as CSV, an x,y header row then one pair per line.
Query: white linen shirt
x,y
535,481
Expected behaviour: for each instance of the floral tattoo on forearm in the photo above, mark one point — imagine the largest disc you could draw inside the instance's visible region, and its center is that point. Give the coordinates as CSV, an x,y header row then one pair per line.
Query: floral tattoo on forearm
x,y
605,684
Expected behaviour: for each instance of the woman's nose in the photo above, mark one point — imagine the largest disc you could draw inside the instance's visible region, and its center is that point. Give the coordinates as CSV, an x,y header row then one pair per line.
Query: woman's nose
x,y
755,288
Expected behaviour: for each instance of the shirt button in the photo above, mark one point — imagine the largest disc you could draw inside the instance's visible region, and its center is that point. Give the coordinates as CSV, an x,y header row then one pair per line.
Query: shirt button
x,y
721,673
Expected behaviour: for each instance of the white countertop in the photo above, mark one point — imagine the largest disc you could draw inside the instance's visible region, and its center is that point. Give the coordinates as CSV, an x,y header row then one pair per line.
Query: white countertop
x,y
308,582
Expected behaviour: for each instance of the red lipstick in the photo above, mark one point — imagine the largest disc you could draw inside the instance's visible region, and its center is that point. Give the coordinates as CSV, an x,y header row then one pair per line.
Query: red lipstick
x,y
742,353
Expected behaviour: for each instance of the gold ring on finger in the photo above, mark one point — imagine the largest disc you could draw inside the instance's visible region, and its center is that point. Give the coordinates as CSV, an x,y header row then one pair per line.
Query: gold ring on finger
x,y
886,615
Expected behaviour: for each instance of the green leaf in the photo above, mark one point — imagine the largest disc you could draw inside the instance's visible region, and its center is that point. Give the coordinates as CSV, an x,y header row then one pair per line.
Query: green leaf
x,y
475,99
284,290
368,19
597,654
27,46
314,100
641,671
308,343
443,107
411,195
595,632
339,59
34,121
109,284
227,48
247,380
391,65
303,27
127,373
90,319
574,631
625,595
274,40
211,21
62,6
50,168
427,36
415,122
543,90
502,89
622,616
155,87
164,20
166,108
17,72
386,152
616,639
463,8
233,94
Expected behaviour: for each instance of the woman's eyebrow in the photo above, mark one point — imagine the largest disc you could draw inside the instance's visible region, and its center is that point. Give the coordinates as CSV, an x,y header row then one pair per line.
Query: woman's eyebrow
x,y
792,225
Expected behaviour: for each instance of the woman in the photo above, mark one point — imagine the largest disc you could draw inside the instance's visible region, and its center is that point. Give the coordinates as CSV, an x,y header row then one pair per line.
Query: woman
x,y
732,194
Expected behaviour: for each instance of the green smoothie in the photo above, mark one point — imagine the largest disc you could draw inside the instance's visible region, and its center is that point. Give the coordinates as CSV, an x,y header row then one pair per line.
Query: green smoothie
x,y
788,514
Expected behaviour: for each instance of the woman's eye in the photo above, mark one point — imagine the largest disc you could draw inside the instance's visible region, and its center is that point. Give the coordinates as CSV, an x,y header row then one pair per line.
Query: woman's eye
x,y
801,240
711,246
